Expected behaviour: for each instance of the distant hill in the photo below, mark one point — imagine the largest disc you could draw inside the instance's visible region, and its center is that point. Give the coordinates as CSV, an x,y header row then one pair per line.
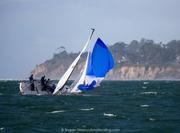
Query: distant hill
x,y
139,60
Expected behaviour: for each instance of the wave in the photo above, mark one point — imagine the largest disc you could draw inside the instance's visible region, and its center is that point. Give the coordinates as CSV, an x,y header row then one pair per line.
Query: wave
x,y
56,111
144,87
29,94
149,93
145,83
144,105
89,95
152,119
109,115
88,109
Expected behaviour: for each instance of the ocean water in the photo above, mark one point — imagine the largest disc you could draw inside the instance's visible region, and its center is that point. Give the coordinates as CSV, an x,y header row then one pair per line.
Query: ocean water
x,y
116,106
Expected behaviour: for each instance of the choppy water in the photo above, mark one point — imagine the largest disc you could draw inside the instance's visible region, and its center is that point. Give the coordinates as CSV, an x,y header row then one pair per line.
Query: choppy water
x,y
126,106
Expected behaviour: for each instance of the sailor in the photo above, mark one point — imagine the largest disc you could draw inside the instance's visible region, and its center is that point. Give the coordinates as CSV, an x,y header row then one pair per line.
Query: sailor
x,y
50,87
48,82
31,80
43,83
53,88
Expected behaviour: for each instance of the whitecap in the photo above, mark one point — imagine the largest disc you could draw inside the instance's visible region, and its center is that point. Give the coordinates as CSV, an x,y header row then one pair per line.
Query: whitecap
x,y
151,119
149,93
2,128
56,111
88,109
109,115
144,87
145,83
1,94
144,105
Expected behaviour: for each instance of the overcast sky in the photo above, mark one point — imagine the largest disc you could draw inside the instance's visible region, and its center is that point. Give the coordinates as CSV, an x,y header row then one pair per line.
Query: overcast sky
x,y
31,30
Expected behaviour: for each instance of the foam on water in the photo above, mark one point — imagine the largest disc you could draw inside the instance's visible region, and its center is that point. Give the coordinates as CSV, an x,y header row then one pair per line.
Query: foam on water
x,y
144,87
151,119
145,83
56,111
88,109
31,94
109,115
144,105
149,93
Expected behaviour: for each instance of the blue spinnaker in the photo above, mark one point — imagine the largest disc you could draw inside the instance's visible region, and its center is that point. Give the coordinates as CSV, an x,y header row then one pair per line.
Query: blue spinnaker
x,y
99,63
101,60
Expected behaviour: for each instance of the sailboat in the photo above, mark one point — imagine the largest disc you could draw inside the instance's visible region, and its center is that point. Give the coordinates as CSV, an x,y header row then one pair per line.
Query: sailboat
x,y
98,63
26,87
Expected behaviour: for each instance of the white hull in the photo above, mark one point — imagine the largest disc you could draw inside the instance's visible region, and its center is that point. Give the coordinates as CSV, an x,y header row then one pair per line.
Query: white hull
x,y
25,89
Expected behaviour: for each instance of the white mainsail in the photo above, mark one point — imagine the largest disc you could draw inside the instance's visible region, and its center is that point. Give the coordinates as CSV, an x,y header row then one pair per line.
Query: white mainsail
x,y
67,74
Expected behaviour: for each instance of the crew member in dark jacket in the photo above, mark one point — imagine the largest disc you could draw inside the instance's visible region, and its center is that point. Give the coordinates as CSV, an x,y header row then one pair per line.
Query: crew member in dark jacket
x,y
43,83
31,80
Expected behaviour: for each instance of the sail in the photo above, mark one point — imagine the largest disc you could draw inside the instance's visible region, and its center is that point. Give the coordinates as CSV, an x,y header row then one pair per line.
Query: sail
x,y
99,64
101,60
81,80
69,71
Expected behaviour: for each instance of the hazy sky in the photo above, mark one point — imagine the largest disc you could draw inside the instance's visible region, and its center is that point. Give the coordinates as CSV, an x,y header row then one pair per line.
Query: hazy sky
x,y
31,30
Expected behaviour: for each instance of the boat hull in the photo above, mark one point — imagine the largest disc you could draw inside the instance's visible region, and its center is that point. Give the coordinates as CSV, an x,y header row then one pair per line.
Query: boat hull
x,y
26,89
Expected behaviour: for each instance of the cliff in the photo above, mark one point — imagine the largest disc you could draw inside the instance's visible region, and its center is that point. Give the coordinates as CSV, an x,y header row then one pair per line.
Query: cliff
x,y
139,60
